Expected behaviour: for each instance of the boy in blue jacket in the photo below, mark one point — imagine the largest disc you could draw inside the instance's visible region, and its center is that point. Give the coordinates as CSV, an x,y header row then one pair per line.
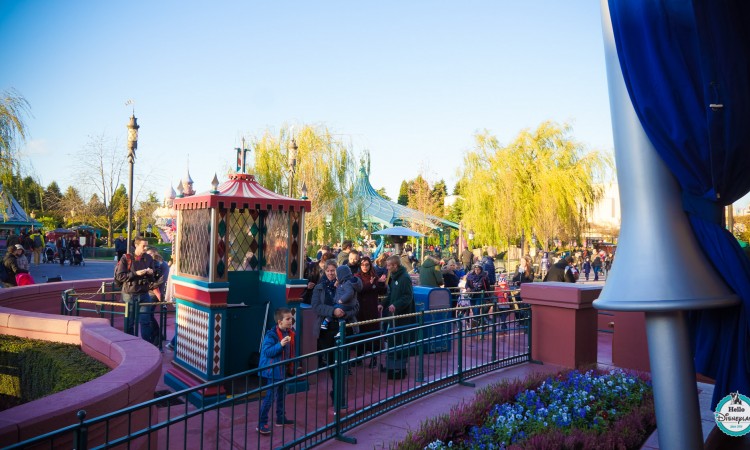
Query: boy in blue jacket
x,y
278,345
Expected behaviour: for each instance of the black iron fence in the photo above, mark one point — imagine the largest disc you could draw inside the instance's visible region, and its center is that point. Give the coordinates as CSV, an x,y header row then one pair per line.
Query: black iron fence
x,y
106,303
359,377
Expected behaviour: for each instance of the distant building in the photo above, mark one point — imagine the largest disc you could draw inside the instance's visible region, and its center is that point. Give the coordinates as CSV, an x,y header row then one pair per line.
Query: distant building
x,y
450,200
604,217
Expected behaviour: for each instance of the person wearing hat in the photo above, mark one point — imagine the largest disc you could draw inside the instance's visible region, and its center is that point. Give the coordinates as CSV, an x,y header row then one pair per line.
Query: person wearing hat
x,y
11,264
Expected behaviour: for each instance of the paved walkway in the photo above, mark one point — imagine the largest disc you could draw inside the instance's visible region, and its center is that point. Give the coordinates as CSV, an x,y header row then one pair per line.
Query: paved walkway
x,y
92,268
393,427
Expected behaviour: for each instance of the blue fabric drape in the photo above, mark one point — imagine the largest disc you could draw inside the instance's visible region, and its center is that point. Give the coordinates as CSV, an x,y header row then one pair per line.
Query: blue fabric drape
x,y
686,66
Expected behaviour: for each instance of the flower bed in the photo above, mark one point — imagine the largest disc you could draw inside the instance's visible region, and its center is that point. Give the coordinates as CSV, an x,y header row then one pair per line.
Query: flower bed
x,y
591,410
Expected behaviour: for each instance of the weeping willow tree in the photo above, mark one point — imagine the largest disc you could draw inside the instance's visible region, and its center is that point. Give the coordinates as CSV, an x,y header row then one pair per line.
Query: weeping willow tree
x,y
541,184
325,166
13,108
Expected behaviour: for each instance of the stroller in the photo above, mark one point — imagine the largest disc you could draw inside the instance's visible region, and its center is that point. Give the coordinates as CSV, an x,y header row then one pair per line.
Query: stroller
x,y
48,255
464,300
76,257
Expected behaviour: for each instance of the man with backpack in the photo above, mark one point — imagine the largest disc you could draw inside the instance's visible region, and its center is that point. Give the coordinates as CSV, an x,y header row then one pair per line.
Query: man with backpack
x,y
37,246
138,275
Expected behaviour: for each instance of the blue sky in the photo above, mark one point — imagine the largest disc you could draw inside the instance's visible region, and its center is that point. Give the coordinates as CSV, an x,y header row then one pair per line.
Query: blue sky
x,y
409,81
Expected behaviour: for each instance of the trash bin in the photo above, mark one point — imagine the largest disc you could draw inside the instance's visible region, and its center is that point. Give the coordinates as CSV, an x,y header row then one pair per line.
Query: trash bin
x,y
436,335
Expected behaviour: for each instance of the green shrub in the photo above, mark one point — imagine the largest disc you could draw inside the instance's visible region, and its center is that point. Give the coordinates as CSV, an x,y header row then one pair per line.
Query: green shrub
x,y
32,369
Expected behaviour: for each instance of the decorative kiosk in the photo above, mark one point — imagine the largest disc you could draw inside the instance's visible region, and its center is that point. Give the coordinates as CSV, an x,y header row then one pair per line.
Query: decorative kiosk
x,y
239,255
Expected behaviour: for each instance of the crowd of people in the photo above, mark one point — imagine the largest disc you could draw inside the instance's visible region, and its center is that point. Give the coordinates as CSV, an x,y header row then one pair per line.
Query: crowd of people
x,y
28,249
23,250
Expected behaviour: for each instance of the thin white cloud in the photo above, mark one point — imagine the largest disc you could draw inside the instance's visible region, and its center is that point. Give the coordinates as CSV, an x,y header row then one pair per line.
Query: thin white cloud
x,y
36,147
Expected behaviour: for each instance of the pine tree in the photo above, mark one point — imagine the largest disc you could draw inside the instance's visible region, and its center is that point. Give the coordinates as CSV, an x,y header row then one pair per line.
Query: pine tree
x,y
403,194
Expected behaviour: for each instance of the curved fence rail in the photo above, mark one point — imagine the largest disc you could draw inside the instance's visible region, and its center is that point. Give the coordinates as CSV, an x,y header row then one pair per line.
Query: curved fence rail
x,y
105,303
327,392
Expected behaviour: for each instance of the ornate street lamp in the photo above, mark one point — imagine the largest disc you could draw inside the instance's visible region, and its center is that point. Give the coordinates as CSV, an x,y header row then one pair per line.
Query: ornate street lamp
x,y
132,146
304,191
292,163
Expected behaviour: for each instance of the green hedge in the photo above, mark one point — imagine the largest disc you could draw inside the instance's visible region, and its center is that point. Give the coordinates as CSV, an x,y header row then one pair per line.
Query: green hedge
x,y
32,369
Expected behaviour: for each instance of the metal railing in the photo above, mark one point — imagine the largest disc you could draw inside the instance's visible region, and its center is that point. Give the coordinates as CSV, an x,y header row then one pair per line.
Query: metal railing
x,y
106,303
328,392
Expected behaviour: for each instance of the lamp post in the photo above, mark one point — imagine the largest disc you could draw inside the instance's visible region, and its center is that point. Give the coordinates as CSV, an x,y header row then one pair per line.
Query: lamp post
x,y
33,218
132,146
292,162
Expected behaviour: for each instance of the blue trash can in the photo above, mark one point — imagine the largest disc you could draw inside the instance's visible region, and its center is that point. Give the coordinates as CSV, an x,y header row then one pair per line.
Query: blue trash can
x,y
437,335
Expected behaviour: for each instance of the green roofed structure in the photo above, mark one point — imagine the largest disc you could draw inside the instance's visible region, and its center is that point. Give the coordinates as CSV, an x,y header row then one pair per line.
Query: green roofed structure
x,y
14,218
386,213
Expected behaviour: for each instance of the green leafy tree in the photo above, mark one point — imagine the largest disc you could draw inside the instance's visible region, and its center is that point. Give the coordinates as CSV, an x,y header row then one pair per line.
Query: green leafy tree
x,y
52,200
325,165
540,184
403,194
25,190
458,188
742,227
73,206
381,192
455,213
146,208
438,193
421,199
13,108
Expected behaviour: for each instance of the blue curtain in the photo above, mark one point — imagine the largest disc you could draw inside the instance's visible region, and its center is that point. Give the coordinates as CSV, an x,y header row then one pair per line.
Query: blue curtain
x,y
686,65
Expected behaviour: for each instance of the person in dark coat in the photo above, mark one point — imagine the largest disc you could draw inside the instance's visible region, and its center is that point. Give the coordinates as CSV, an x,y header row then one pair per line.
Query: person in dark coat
x,y
313,272
450,278
379,264
429,273
525,274
560,271
373,286
488,264
400,300
121,246
324,306
11,264
477,280
587,268
353,261
478,284
597,266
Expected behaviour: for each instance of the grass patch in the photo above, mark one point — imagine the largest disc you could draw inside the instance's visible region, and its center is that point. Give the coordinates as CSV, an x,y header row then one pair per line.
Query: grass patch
x,y
31,369
571,410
